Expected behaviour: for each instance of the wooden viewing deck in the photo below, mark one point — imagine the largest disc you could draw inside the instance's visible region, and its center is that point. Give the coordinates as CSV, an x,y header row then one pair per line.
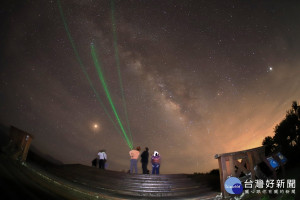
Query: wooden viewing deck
x,y
84,182
37,178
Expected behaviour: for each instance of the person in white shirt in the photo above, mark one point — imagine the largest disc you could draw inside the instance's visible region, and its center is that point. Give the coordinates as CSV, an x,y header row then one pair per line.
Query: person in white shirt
x,y
102,159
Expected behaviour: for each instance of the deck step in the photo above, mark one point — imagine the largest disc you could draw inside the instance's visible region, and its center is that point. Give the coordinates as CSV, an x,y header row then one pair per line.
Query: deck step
x,y
130,186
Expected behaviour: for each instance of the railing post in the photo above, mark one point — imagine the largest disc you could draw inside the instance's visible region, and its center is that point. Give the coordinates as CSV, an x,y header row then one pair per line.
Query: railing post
x,y
225,175
231,166
221,176
251,165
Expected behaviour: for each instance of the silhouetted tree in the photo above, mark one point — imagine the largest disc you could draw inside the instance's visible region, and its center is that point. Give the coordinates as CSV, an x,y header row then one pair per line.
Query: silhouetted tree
x,y
296,109
295,106
215,172
287,134
270,145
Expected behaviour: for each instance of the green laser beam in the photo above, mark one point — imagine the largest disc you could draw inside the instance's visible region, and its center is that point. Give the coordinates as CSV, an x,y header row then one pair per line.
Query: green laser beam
x,y
104,85
117,58
83,68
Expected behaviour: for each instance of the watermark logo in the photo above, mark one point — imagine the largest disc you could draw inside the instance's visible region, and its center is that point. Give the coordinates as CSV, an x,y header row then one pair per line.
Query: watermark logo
x,y
233,186
270,186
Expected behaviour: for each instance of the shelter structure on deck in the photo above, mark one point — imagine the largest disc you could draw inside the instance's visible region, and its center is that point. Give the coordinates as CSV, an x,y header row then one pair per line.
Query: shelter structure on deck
x,y
245,165
19,143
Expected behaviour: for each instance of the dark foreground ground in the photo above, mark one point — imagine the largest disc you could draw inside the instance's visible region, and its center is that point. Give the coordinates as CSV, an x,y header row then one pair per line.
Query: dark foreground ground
x,y
43,177
39,179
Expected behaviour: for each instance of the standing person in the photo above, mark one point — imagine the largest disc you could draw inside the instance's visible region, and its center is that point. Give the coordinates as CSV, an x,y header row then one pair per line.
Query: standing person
x,y
102,159
134,154
144,160
155,160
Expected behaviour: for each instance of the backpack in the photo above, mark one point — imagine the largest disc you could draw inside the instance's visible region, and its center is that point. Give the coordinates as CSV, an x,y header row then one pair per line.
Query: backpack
x,y
156,159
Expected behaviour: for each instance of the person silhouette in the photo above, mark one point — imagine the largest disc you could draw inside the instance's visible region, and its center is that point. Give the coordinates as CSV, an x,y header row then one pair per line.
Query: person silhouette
x,y
134,154
144,160
102,159
155,160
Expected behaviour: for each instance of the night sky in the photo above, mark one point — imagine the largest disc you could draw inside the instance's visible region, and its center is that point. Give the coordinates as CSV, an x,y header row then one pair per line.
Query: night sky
x,y
199,77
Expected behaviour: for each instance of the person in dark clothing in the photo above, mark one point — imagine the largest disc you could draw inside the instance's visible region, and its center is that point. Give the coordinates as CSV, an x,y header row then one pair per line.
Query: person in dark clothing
x,y
144,160
94,162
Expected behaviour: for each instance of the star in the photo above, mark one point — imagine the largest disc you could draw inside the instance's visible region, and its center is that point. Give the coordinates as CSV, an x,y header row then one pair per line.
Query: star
x,y
270,69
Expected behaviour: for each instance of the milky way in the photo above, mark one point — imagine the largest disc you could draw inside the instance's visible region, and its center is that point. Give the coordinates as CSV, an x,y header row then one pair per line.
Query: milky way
x,y
199,77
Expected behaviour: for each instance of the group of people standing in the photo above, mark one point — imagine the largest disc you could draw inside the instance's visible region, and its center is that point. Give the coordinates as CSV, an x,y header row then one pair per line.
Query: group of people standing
x,y
134,156
101,159
155,160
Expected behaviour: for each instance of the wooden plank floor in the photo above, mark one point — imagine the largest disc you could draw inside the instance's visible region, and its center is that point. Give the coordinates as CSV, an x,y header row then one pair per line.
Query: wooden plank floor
x,y
83,182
